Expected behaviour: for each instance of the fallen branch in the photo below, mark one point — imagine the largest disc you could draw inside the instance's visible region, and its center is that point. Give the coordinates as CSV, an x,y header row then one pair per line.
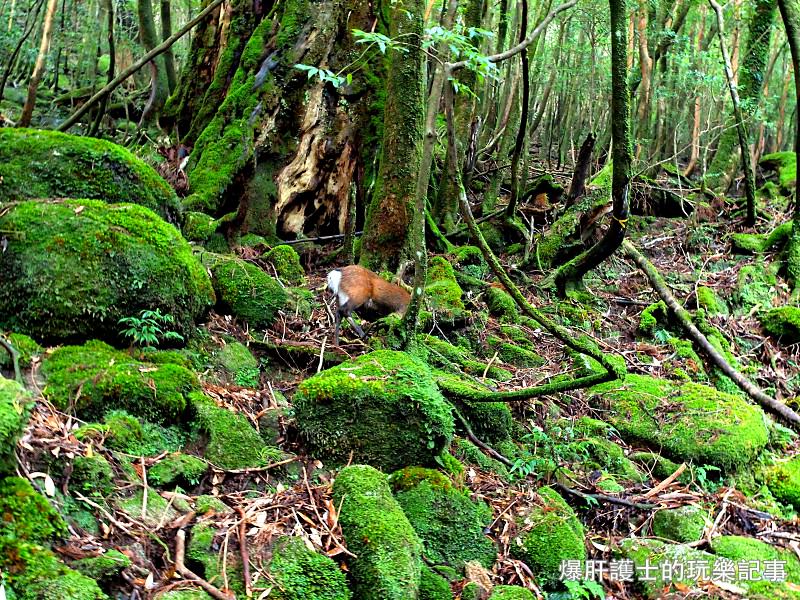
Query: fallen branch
x,y
604,498
685,319
180,549
248,590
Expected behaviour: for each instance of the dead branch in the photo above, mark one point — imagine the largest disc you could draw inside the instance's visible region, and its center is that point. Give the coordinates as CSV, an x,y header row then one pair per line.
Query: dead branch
x,y
180,549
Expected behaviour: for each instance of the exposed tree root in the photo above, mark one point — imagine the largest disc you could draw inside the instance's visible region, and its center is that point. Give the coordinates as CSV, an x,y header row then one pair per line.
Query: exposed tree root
x,y
685,319
180,549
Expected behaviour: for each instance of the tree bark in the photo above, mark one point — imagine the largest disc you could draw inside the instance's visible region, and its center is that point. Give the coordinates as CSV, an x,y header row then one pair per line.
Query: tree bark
x,y
112,59
159,86
38,68
30,19
511,207
169,56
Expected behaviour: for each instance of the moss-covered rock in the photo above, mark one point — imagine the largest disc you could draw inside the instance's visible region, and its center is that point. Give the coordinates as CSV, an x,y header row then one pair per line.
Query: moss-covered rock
x,y
234,363
231,441
782,322
467,452
548,533
511,592
95,378
287,264
689,421
470,262
683,524
92,474
755,286
379,534
24,345
651,317
382,407
783,480
710,301
157,512
447,521
514,354
660,466
490,421
103,567
26,515
302,574
660,580
433,586
442,292
177,468
48,164
74,268
784,163
743,549
15,405
245,291
502,305
205,503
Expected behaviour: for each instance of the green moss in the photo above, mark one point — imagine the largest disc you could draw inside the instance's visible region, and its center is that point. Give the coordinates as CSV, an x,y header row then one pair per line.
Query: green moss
x,y
657,553
49,164
660,466
92,474
104,567
24,345
447,521
15,406
490,421
442,292
785,163
468,452
184,595
199,227
232,442
177,468
691,422
502,305
237,364
433,586
158,510
548,533
75,267
287,264
755,285
382,407
94,378
120,431
379,534
25,515
244,290
739,548
493,234
511,592
783,480
748,243
514,354
710,301
651,316
782,322
470,262
302,574
682,524
204,504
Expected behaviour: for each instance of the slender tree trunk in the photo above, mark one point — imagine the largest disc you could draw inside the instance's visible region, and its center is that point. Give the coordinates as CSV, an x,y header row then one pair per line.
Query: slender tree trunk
x,y
778,145
744,148
169,56
30,25
159,86
112,59
511,207
57,68
696,113
571,274
38,68
578,185
646,68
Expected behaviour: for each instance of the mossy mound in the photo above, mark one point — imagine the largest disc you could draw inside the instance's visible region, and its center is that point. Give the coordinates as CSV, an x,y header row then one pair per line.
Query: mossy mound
x,y
470,262
548,533
785,164
711,302
442,292
433,586
157,512
379,534
467,452
660,555
24,345
15,405
502,305
755,286
231,441
234,363
104,567
245,291
124,432
511,592
26,514
382,407
783,480
691,422
447,521
683,524
92,474
782,322
48,164
95,378
302,574
74,268
177,467
743,549
652,316
287,264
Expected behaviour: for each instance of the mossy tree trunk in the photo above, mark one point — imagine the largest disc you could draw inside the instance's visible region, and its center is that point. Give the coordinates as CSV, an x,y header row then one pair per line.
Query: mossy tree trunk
x,y
393,225
571,274
38,68
790,12
169,56
159,86
272,147
750,85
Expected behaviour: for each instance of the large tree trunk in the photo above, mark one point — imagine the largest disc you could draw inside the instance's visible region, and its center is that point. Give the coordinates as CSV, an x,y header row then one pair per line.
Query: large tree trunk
x,y
389,238
38,68
169,56
159,86
272,147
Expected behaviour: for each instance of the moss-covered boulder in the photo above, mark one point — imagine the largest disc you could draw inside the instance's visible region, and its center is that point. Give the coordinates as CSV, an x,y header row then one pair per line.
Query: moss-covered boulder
x,y
511,592
548,533
689,421
382,409
302,574
782,322
26,514
234,363
433,586
48,164
92,474
244,290
502,305
783,480
104,567
287,264
177,467
95,378
684,524
447,521
74,268
784,164
15,405
442,292
379,534
231,442
743,550
157,511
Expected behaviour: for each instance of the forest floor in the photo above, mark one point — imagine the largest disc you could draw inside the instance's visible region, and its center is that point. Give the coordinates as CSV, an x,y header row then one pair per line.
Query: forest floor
x,y
689,253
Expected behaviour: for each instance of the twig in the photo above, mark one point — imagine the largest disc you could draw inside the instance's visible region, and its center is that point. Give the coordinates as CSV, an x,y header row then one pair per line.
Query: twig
x,y
480,443
322,354
105,513
605,498
666,482
180,549
260,469
321,520
243,549
144,491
